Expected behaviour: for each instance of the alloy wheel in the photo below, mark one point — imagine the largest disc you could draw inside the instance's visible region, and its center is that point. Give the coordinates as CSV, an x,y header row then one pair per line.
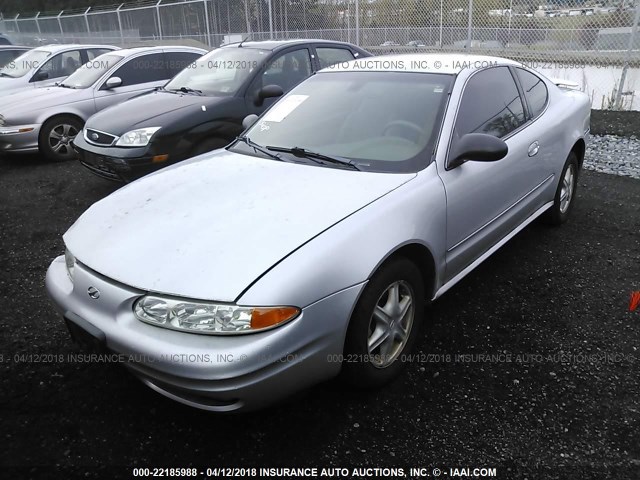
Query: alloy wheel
x,y
390,324
60,139
566,192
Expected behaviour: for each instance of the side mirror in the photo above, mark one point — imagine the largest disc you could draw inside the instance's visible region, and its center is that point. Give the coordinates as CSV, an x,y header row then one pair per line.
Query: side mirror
x,y
113,82
249,120
477,147
38,77
268,91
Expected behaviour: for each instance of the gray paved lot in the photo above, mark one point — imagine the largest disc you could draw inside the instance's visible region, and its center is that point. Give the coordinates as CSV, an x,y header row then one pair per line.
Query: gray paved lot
x,y
555,302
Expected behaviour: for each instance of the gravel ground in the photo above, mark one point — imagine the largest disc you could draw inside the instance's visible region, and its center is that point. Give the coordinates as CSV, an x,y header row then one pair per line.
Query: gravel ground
x,y
559,399
613,154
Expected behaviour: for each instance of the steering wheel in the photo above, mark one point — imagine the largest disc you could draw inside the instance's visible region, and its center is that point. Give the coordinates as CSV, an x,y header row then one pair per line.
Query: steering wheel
x,y
416,130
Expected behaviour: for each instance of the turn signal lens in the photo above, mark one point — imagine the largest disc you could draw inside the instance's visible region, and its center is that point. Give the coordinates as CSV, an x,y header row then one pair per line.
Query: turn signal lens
x,y
270,317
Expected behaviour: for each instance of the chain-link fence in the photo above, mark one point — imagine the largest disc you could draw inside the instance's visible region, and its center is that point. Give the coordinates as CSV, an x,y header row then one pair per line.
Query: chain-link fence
x,y
595,44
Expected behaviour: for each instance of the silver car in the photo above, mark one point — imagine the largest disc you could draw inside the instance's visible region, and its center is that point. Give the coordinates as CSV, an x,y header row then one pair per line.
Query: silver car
x,y
46,65
48,119
308,247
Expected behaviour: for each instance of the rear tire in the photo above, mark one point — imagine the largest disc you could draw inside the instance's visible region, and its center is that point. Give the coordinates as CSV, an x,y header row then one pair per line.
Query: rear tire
x,y
384,325
565,194
56,136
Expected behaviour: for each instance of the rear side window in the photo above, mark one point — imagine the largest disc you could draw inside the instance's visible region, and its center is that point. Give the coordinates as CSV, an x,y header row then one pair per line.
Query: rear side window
x,y
490,104
535,91
331,56
178,61
143,69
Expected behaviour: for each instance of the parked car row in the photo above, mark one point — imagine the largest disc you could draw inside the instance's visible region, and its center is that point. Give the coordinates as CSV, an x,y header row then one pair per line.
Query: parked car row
x,y
307,247
200,109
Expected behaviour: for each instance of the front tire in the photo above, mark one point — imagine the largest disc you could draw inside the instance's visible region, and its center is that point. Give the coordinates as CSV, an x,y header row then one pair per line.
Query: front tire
x,y
565,194
384,325
56,136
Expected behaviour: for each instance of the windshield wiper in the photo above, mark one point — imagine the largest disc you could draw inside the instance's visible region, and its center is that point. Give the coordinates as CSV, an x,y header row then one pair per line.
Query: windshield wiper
x,y
258,148
2,74
185,90
304,153
64,85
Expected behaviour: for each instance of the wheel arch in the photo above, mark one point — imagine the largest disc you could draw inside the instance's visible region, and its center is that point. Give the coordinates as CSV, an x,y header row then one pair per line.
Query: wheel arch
x,y
422,257
62,114
579,148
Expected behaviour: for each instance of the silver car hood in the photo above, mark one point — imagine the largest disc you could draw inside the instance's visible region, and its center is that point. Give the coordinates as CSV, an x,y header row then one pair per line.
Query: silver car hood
x,y
26,100
207,228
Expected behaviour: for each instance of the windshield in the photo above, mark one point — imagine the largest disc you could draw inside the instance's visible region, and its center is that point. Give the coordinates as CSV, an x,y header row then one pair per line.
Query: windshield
x,y
91,71
381,121
24,64
221,72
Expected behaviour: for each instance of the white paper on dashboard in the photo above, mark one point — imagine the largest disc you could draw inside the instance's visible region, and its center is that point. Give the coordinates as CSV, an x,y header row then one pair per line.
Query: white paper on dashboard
x,y
282,109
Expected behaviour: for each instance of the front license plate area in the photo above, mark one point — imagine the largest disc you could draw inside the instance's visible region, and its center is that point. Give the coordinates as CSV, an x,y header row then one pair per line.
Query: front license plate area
x,y
85,334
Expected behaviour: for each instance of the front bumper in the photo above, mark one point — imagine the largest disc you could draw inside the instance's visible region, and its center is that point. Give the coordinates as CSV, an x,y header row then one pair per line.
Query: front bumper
x,y
217,373
116,163
19,139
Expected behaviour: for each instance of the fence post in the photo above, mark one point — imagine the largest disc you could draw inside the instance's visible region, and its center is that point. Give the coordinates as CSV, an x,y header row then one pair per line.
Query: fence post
x,y
358,22
270,20
120,24
206,21
246,16
158,17
86,20
441,19
15,20
510,14
469,24
38,23
627,57
60,24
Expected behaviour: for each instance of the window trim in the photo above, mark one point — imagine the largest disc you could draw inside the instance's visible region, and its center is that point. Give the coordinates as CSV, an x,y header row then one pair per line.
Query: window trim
x,y
447,165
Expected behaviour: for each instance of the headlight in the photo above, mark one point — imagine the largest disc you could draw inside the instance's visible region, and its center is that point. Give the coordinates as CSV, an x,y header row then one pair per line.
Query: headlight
x,y
70,261
137,138
210,318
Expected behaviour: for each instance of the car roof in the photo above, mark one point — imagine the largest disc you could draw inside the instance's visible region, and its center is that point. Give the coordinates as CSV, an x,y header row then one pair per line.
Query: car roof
x,y
126,52
277,44
55,48
14,47
449,63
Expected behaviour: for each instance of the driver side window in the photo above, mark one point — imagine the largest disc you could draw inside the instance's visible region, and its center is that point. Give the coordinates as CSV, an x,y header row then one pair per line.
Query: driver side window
x,y
490,104
61,65
287,70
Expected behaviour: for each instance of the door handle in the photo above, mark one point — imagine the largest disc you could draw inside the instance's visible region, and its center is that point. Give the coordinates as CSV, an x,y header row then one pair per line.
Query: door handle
x,y
533,149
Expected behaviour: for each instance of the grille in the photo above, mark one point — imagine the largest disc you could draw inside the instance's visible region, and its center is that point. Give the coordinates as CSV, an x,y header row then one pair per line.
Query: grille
x,y
99,138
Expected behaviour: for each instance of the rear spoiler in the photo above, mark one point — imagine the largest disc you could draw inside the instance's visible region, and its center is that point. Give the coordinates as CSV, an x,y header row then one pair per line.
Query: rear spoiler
x,y
568,84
